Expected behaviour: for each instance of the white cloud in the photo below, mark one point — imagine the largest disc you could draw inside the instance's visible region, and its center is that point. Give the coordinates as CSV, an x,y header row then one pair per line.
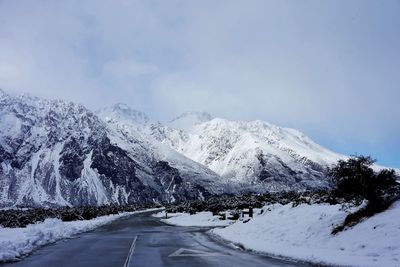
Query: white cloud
x,y
124,68
326,67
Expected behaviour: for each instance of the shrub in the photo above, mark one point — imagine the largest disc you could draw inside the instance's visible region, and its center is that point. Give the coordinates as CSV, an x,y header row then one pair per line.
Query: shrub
x,y
355,178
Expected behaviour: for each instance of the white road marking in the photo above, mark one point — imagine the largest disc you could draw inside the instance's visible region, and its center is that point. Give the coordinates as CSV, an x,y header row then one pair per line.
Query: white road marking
x,y
132,248
186,252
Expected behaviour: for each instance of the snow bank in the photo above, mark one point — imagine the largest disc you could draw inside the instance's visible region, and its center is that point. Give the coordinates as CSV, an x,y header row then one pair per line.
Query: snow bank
x,y
202,219
16,242
303,233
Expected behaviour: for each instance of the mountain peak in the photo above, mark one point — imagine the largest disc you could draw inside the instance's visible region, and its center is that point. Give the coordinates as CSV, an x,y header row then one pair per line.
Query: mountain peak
x,y
121,106
188,120
123,113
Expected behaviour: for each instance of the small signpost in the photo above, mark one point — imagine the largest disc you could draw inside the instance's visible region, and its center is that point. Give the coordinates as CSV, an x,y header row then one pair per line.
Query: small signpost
x,y
236,214
248,211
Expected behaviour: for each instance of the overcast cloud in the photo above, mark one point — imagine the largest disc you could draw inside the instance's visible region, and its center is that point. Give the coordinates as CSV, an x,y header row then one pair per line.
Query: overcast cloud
x,y
328,68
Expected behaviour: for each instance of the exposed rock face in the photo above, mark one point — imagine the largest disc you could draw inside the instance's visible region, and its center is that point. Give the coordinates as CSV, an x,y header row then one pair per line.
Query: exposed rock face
x,y
71,160
171,180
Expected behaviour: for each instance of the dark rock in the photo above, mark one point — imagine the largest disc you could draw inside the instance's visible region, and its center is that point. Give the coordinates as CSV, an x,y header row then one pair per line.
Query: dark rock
x,y
71,160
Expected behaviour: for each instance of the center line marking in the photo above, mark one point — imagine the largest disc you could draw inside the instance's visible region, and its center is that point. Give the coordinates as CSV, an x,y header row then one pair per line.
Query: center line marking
x,y
132,248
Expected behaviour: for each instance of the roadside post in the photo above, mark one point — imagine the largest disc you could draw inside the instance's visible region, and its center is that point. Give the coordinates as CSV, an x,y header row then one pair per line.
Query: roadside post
x,y
248,211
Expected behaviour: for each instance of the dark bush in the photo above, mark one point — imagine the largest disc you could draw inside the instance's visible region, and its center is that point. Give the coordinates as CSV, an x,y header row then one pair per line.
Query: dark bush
x,y
23,217
229,202
355,178
70,215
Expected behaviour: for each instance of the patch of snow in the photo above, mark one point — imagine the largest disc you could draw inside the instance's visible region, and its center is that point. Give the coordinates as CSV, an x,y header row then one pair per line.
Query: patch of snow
x,y
10,125
55,155
90,179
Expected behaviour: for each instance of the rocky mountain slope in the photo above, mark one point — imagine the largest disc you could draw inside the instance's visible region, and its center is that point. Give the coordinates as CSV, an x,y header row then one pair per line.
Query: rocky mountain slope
x,y
59,153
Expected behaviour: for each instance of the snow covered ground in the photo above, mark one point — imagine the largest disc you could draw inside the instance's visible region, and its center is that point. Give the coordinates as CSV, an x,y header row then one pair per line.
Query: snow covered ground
x,y
304,233
16,242
202,219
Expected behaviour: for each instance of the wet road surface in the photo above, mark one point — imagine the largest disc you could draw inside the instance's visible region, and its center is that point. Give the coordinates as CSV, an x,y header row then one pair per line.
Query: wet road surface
x,y
141,240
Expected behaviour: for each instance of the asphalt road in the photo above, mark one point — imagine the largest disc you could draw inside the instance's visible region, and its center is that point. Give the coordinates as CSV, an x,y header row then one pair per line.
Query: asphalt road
x,y
141,240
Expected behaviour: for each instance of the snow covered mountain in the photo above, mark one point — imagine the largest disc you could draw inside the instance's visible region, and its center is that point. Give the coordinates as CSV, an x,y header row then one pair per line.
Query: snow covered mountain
x,y
254,154
251,156
58,153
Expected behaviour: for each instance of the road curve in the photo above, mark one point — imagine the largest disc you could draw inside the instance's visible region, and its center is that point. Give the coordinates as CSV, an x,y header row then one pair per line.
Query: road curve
x,y
141,240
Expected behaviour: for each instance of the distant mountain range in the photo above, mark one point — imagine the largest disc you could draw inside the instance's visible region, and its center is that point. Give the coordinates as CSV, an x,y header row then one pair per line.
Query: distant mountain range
x,y
55,153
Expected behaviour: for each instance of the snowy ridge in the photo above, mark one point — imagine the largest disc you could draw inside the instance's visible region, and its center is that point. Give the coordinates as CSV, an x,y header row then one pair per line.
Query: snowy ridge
x,y
257,154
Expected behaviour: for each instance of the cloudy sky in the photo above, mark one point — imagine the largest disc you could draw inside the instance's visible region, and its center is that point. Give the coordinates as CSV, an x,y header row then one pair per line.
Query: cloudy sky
x,y
328,68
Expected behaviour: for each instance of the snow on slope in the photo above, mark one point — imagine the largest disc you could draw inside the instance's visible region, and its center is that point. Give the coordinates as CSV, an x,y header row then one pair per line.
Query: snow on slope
x,y
16,242
303,233
285,140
